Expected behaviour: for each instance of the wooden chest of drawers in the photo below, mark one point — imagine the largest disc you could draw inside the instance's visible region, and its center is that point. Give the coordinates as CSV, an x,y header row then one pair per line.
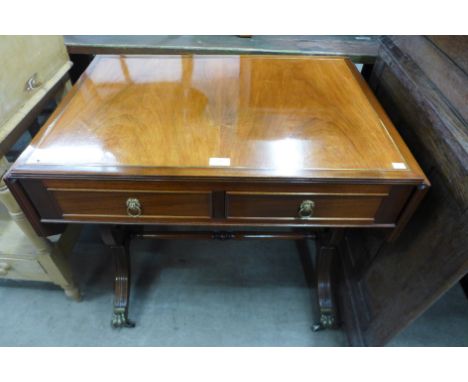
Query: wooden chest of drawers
x,y
33,71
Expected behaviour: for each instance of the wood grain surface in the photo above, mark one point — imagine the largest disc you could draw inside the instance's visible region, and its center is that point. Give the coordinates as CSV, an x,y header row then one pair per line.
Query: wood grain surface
x,y
222,116
388,285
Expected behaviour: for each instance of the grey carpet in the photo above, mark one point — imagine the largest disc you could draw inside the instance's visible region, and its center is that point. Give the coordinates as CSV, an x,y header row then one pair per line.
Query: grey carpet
x,y
196,293
185,293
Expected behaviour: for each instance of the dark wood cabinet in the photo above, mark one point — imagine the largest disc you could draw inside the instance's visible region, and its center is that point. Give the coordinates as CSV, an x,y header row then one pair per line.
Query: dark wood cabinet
x,y
423,85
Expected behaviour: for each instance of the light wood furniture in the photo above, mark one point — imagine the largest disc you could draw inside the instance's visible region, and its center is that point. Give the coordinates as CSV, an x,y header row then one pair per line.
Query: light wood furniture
x,y
33,71
219,142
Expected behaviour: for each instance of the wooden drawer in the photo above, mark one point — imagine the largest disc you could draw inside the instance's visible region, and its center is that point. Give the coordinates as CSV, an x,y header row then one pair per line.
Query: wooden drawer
x,y
209,203
42,56
22,269
135,205
287,206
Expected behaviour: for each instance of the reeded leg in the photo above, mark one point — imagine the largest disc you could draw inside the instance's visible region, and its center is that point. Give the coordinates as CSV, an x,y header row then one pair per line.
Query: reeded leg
x,y
327,308
326,257
118,244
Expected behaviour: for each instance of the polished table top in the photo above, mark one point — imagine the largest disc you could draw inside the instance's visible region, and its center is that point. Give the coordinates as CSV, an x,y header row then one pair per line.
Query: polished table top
x,y
229,116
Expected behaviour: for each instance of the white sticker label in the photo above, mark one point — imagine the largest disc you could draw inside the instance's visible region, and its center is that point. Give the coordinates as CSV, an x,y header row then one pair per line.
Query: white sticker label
x,y
220,161
399,166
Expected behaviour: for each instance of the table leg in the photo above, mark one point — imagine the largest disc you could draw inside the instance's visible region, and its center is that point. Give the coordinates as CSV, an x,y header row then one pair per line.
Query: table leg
x,y
117,241
326,258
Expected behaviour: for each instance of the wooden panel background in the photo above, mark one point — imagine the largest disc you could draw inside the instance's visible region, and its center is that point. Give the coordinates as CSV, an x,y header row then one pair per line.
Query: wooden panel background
x,y
362,49
388,285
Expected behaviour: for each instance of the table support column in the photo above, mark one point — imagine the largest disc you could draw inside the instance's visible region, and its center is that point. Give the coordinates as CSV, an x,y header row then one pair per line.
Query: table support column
x,y
117,240
325,264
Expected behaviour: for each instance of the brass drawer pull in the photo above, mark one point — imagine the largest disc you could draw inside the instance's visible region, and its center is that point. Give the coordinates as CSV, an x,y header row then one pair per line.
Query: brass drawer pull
x,y
306,210
133,207
32,83
4,268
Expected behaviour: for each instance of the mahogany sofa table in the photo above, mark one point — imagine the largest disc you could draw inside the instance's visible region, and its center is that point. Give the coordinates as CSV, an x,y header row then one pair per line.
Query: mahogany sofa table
x,y
211,143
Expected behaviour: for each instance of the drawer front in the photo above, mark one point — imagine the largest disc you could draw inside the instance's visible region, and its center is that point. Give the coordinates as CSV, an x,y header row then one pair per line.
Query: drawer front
x,y
302,207
214,204
136,205
40,56
12,268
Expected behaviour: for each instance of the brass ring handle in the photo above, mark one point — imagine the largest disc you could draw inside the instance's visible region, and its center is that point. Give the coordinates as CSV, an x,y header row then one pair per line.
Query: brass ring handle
x,y
32,83
133,207
306,209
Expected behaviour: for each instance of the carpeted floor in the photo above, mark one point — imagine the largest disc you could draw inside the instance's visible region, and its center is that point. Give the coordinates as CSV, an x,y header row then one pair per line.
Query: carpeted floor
x,y
196,293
